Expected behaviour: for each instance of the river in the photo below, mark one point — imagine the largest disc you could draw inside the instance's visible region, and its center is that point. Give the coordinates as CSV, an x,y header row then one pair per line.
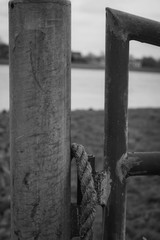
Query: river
x,y
87,90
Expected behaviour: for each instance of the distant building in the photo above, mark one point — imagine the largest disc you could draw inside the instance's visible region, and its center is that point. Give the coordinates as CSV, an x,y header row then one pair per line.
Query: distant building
x,y
135,63
76,57
4,51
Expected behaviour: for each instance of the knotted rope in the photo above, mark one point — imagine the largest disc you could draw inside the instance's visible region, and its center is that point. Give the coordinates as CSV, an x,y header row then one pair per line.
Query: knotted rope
x,y
89,195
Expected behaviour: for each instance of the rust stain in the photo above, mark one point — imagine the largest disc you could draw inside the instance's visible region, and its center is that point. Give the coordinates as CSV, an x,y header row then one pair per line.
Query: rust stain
x,y
103,186
106,188
115,26
125,163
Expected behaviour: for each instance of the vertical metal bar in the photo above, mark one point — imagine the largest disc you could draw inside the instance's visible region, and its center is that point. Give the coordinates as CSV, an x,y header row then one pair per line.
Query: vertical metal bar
x,y
40,119
79,193
135,27
115,144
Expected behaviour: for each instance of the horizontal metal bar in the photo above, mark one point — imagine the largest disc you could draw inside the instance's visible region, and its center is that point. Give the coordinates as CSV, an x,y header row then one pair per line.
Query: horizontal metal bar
x,y
138,163
131,27
144,163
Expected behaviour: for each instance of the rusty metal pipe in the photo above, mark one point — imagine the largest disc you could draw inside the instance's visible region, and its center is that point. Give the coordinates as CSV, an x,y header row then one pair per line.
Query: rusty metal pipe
x,y
131,27
115,144
120,29
143,163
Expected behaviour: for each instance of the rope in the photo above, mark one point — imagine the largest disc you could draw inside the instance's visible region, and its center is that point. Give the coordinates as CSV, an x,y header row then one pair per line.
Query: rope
x,y
89,195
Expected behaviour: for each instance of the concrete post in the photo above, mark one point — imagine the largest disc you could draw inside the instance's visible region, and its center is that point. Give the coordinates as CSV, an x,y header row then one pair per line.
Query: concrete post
x,y
40,118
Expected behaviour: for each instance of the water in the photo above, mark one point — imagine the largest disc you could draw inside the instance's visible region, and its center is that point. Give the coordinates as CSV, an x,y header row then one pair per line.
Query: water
x,y
88,89
4,87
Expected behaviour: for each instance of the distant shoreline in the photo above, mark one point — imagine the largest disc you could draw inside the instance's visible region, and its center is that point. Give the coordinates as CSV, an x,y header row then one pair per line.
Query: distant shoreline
x,y
99,67
94,67
87,66
4,62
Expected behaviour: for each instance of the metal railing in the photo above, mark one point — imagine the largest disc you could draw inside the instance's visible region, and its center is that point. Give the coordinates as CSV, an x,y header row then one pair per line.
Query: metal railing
x,y
120,29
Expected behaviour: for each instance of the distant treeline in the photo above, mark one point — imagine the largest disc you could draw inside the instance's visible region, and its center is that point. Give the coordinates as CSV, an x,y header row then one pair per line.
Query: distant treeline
x,y
77,57
4,51
145,62
150,62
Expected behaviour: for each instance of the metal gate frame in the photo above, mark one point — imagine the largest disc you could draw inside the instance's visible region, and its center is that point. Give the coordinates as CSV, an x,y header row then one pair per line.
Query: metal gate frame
x,y
120,29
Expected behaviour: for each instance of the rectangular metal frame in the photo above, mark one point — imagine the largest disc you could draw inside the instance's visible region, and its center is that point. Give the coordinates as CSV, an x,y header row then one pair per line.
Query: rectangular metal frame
x,y
120,29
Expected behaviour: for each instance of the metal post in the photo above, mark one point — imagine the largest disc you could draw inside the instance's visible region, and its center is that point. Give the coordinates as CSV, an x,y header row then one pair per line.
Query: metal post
x,y
40,118
120,29
116,94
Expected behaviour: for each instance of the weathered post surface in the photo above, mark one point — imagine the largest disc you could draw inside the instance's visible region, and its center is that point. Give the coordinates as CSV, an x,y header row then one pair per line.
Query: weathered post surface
x,y
40,118
116,98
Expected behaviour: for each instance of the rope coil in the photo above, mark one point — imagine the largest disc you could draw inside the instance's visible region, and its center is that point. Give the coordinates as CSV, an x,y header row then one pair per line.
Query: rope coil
x,y
89,194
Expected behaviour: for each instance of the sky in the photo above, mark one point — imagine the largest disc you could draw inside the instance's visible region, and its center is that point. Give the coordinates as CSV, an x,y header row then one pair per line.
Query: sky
x,y
88,24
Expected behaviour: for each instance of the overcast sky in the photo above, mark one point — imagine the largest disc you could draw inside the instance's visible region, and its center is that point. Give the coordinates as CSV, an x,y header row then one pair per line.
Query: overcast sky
x,y
88,23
